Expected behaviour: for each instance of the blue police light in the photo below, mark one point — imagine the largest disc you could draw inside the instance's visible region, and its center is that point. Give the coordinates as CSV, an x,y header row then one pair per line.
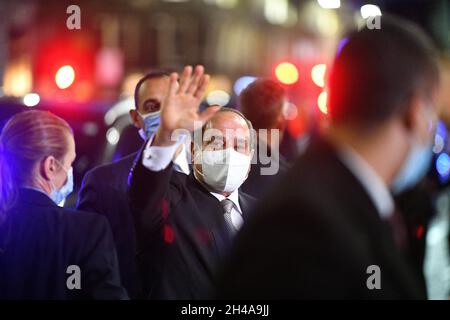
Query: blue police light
x,y
441,130
443,165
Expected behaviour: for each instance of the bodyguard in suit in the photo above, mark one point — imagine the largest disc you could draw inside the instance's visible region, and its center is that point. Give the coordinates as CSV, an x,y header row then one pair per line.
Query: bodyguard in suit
x,y
330,229
104,189
185,224
263,104
48,252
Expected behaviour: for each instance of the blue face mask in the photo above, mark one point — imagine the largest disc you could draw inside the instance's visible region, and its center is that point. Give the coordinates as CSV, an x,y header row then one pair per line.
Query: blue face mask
x,y
151,124
59,195
414,168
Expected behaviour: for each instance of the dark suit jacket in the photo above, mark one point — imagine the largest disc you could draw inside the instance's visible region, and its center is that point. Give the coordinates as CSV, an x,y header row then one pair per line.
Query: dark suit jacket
x,y
104,191
40,240
258,184
417,209
315,237
181,233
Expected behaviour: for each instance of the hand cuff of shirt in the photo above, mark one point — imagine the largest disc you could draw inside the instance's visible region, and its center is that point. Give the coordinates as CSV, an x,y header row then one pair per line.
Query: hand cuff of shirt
x,y
156,158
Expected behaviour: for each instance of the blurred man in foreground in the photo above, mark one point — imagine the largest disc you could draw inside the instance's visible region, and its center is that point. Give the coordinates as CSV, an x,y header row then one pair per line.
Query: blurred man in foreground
x,y
331,229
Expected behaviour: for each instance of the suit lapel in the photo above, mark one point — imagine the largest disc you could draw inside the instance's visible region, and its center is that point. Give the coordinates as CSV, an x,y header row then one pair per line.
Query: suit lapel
x,y
214,222
246,202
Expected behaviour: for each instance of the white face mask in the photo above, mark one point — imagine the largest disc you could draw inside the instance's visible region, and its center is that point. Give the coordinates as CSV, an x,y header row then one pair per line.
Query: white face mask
x,y
224,170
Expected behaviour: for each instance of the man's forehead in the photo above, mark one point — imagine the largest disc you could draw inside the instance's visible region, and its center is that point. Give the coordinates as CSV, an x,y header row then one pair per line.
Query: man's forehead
x,y
155,84
227,120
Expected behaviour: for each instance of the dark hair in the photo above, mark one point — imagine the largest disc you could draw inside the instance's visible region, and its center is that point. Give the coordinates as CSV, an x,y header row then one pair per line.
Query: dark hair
x,y
150,75
28,138
378,71
262,103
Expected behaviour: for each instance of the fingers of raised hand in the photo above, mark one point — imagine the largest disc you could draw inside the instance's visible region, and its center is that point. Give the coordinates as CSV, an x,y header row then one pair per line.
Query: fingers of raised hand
x,y
173,87
201,87
196,79
185,79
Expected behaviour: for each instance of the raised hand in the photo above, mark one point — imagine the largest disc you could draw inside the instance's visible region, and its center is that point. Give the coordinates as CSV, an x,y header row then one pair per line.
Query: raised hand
x,y
180,108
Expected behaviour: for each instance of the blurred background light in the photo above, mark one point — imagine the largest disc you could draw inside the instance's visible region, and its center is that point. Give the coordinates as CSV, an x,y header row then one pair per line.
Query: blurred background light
x,y
129,83
219,82
290,111
286,73
224,4
112,136
443,164
65,76
438,144
318,74
330,4
90,129
370,10
441,130
276,11
18,78
109,66
218,97
31,99
242,83
322,102
119,109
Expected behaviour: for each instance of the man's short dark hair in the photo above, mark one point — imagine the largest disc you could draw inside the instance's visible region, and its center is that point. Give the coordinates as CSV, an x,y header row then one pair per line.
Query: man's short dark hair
x,y
150,75
378,71
262,103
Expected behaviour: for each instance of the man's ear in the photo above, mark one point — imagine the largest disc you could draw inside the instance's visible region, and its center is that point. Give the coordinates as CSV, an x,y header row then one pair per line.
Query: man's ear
x,y
135,118
48,168
415,118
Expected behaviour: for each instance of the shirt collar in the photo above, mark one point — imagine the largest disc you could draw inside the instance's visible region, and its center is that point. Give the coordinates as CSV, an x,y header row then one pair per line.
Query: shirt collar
x,y
181,162
370,180
234,197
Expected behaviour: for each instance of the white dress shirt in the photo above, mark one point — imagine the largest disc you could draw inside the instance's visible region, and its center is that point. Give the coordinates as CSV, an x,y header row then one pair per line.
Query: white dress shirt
x,y
370,180
157,158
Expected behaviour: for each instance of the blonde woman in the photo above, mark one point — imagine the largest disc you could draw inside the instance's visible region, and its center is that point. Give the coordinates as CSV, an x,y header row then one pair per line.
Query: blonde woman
x,y
48,252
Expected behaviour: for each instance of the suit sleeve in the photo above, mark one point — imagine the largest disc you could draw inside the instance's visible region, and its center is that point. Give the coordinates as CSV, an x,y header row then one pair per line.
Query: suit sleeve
x,y
150,195
100,270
